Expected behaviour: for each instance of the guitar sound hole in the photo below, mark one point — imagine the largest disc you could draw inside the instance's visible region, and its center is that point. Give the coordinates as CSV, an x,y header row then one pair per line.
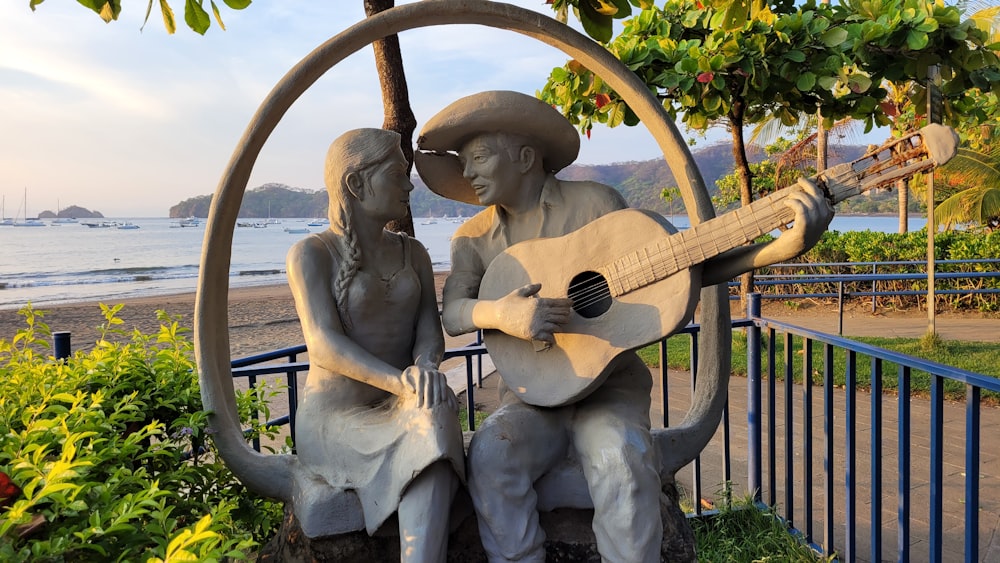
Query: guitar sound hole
x,y
590,294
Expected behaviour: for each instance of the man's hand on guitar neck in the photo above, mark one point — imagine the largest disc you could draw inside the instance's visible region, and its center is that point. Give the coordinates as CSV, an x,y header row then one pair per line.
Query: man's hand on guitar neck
x,y
522,314
813,214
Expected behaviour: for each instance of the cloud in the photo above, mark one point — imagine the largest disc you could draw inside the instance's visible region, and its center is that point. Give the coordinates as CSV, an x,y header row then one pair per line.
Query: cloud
x,y
129,122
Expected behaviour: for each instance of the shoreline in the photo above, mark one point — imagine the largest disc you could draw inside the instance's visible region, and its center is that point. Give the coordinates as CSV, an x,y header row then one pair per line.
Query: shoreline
x,y
261,317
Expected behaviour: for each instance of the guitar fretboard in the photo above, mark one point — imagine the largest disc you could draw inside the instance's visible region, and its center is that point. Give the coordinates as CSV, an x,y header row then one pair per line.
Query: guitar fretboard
x,y
668,255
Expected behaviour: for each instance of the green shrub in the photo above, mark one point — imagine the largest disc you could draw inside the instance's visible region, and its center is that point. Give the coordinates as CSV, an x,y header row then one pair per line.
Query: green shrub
x,y
112,454
869,246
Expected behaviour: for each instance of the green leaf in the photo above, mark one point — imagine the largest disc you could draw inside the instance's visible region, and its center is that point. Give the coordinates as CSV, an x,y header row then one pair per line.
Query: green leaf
x,y
168,21
34,3
603,7
218,17
712,102
787,118
237,4
595,24
196,17
624,8
806,81
687,65
110,10
696,121
616,115
834,36
827,82
795,56
859,83
916,40
736,15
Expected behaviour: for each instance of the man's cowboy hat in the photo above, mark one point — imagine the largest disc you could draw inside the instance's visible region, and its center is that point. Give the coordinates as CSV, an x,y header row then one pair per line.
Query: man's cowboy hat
x,y
489,112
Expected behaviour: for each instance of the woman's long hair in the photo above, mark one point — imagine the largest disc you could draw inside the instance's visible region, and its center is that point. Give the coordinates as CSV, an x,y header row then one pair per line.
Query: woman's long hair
x,y
358,151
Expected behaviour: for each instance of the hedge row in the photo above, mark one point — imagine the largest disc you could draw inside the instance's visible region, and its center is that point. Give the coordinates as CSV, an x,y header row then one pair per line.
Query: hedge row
x,y
868,246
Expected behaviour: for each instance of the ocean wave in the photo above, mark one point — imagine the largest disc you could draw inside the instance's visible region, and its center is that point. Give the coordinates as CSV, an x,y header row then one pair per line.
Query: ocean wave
x,y
101,276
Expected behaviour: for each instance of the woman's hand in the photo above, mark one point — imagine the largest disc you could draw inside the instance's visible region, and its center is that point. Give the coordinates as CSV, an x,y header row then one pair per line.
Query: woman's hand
x,y
429,385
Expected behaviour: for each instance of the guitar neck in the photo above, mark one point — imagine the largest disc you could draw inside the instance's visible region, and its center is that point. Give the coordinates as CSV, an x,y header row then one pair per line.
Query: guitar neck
x,y
912,154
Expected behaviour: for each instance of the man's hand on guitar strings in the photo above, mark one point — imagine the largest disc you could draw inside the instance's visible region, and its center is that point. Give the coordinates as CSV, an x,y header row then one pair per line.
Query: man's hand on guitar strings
x,y
524,315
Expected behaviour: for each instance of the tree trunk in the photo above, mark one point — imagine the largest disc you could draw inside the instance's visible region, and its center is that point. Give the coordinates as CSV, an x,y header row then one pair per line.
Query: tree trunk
x,y
742,164
822,142
903,195
398,115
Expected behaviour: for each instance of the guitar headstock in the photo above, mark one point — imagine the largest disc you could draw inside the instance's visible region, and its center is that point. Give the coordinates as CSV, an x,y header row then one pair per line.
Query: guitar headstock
x,y
898,159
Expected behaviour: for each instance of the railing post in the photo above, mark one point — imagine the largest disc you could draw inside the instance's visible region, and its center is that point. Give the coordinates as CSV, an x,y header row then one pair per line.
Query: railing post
x,y
754,453
840,308
61,345
874,287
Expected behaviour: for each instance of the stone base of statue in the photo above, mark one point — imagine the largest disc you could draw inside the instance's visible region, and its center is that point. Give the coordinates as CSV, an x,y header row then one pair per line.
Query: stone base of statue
x,y
568,530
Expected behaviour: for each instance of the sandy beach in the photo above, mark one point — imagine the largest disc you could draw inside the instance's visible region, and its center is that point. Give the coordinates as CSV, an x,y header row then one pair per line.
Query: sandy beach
x,y
260,318
263,318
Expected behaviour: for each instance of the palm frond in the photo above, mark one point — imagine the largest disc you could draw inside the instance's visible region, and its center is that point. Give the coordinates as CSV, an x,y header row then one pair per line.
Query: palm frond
x,y
984,167
977,205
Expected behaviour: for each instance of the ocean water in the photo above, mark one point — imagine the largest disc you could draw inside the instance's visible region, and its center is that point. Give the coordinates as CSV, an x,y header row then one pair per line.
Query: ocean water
x,y
72,262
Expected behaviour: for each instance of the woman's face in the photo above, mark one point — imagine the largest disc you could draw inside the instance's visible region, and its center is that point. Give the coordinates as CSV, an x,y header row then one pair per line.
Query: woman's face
x,y
387,189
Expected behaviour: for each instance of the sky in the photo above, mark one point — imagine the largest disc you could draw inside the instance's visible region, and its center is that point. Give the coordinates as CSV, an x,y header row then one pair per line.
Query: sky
x,y
131,121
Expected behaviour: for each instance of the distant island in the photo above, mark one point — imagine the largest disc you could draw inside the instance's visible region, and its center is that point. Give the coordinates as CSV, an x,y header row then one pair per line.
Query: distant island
x,y
71,212
641,182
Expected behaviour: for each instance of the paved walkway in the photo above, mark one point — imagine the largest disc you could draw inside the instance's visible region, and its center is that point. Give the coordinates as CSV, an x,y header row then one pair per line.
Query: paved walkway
x,y
859,320
861,323
858,323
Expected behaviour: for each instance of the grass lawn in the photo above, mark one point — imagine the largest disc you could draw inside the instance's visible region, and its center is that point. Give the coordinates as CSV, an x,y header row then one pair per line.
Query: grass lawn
x,y
979,357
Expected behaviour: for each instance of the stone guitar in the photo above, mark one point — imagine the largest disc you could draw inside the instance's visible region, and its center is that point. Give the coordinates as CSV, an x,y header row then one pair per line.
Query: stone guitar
x,y
634,279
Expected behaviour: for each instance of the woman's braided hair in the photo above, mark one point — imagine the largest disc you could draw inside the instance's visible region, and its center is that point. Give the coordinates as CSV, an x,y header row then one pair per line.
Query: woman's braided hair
x,y
358,151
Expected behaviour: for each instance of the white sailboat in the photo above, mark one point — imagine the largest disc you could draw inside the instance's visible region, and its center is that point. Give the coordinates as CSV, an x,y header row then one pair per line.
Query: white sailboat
x,y
62,220
5,221
27,222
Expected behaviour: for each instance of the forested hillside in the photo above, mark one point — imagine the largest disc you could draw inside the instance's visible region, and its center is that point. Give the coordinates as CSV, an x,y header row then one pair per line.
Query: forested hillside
x,y
641,182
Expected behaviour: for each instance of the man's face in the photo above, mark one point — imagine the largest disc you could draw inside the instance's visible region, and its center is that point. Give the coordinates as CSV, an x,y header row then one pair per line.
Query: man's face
x,y
489,168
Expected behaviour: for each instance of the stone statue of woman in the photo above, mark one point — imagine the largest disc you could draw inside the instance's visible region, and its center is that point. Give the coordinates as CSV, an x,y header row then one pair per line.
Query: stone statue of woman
x,y
376,417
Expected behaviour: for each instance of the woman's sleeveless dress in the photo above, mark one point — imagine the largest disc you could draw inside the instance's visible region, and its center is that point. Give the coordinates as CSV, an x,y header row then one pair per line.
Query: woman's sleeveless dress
x,y
377,449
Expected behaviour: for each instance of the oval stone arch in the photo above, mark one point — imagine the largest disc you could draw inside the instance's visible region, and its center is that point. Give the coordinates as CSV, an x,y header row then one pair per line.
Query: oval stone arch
x,y
211,323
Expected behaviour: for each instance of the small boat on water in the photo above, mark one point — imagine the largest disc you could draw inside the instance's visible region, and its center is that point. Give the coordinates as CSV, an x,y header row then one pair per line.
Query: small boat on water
x,y
5,221
318,222
297,230
99,224
29,223
25,222
62,220
126,226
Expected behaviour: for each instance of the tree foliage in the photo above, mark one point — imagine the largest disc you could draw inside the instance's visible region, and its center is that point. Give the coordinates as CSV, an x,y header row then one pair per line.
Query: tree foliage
x,y
195,15
737,63
783,60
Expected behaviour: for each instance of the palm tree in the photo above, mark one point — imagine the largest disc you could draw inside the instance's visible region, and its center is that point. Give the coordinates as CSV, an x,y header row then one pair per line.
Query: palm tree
x,y
976,168
979,203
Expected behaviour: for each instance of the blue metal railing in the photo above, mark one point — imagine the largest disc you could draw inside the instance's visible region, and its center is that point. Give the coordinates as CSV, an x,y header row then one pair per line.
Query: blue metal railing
x,y
877,448
284,361
865,274
802,506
